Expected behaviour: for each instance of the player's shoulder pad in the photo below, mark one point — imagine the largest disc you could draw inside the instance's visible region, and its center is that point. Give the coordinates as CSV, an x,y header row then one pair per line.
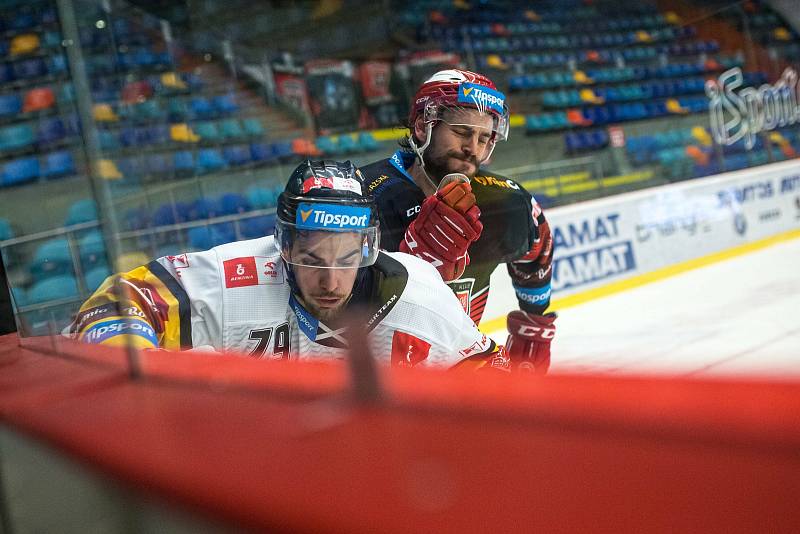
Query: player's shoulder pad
x,y
425,286
209,262
487,179
381,176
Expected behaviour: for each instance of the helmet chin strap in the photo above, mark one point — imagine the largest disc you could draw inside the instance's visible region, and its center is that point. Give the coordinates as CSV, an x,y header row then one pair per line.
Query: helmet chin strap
x,y
420,150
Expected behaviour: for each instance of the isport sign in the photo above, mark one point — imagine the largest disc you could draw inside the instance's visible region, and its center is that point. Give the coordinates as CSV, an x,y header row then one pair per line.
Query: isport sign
x,y
738,112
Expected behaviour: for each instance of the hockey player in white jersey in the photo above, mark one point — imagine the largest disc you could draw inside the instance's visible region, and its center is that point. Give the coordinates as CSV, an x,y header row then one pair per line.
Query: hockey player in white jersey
x,y
288,296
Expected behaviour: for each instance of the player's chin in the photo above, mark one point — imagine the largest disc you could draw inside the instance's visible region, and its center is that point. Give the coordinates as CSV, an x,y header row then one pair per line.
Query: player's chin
x,y
463,166
328,306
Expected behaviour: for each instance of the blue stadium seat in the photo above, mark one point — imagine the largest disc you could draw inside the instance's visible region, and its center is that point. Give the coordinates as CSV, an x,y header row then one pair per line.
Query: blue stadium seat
x,y
260,226
167,214
260,197
184,163
21,20
81,211
20,171
58,64
209,160
282,150
236,155
201,108
205,237
231,204
6,232
6,73
225,104
92,250
262,152
158,134
51,130
51,258
132,168
160,165
10,105
204,208
136,219
55,288
58,164
96,276
30,69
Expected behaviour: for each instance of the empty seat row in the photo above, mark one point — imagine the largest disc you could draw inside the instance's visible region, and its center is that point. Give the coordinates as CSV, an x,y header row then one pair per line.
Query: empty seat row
x,y
29,101
32,68
613,113
576,142
566,42
178,109
630,53
228,130
547,80
37,134
49,166
542,25
624,93
28,17
29,43
202,161
141,58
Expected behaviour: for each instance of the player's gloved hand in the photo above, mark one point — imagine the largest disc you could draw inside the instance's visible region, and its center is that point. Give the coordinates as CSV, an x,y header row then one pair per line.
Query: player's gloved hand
x,y
529,338
448,222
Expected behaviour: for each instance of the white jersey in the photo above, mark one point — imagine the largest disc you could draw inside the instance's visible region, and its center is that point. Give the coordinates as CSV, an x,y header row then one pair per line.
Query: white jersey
x,y
236,297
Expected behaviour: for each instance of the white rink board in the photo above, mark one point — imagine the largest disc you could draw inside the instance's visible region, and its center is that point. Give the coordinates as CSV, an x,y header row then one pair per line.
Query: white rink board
x,y
611,239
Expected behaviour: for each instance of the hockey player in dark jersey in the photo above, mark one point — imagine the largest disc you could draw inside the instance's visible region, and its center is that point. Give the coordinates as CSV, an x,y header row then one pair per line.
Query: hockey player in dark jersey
x,y
436,202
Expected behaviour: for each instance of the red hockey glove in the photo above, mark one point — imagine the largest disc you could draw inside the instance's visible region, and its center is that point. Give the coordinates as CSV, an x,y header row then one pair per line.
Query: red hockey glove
x,y
528,344
448,222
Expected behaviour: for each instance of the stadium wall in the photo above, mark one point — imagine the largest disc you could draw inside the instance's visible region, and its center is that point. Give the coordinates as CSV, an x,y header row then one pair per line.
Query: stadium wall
x,y
611,244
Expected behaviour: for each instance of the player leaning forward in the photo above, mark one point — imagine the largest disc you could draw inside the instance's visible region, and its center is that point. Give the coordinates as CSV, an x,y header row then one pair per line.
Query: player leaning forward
x,y
466,229
288,296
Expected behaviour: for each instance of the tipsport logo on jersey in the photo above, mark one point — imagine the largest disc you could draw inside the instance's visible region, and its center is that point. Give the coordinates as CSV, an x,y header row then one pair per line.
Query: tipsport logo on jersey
x,y
331,217
481,97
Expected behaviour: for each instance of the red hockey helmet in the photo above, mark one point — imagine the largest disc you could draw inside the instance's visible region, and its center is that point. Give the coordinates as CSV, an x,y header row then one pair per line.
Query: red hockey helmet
x,y
456,87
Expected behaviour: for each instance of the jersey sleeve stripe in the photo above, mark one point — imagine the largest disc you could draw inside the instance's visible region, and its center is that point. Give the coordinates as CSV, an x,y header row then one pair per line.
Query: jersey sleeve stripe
x,y
184,307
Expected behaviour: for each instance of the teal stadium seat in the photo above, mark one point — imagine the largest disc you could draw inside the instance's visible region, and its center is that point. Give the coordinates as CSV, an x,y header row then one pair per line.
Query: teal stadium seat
x,y
347,145
327,145
231,129
55,288
6,232
208,132
253,127
16,137
81,211
367,142
51,258
96,276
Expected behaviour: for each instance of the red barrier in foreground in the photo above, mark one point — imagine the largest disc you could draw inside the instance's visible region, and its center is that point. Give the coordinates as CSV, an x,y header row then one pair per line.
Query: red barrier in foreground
x,y
284,446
